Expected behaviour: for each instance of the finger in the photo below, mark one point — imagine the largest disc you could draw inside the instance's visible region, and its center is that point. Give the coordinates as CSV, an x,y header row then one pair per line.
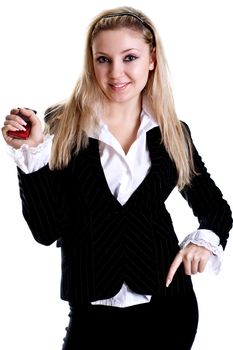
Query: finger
x,y
195,264
14,111
14,125
187,261
27,112
19,114
24,110
202,264
196,260
15,143
199,262
30,114
173,268
14,117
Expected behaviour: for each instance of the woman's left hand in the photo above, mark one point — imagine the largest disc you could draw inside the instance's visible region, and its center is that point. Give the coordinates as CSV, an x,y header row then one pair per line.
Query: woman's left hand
x,y
194,259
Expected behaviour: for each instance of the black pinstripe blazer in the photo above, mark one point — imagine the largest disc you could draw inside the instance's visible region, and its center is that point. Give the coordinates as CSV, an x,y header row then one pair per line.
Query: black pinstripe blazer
x,y
104,243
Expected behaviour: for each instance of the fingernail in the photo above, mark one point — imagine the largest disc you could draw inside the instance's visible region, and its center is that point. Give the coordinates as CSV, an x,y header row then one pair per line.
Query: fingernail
x,y
168,283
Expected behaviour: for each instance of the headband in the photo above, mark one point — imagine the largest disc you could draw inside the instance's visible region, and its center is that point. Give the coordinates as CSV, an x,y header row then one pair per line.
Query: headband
x,y
135,16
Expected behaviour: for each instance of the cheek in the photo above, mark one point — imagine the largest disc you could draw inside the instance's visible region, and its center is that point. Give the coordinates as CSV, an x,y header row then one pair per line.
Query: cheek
x,y
142,74
95,69
135,72
141,70
99,73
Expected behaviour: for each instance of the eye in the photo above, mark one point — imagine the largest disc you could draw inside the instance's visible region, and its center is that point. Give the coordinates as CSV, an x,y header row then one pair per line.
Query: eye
x,y
102,59
130,58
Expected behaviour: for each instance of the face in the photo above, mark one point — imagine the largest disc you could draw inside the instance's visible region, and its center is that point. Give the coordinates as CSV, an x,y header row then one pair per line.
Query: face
x,y
122,61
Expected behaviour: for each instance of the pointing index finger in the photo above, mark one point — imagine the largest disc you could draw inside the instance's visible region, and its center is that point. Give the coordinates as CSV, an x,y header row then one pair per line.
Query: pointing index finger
x,y
173,268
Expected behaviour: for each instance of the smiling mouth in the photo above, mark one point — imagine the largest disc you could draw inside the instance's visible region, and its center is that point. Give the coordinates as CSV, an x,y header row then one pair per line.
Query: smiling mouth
x,y
119,86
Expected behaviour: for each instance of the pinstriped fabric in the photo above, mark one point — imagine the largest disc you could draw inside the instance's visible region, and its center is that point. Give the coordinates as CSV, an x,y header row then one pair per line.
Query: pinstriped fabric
x,y
38,198
207,202
104,243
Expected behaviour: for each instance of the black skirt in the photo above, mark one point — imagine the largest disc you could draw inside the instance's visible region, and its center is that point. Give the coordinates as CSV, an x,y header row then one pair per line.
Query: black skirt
x,y
166,323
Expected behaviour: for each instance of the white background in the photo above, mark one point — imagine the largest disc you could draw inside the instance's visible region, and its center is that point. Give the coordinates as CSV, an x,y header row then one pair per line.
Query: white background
x,y
41,57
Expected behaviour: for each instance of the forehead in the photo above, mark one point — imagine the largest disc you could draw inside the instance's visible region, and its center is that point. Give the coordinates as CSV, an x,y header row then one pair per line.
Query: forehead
x,y
118,39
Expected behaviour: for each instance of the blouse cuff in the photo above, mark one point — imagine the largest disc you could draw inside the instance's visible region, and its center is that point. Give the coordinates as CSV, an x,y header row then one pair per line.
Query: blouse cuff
x,y
209,240
30,159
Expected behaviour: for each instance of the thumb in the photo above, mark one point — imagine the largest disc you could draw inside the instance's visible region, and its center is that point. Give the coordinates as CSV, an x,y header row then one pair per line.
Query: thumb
x,y
28,113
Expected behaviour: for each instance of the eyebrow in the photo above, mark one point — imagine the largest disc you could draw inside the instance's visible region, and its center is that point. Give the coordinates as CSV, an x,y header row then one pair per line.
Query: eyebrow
x,y
122,52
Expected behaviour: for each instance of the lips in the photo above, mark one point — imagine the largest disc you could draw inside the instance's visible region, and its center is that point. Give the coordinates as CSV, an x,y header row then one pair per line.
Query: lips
x,y
118,86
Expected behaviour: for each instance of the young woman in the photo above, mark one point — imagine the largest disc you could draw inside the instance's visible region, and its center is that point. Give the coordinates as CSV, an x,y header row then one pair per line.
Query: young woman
x,y
96,183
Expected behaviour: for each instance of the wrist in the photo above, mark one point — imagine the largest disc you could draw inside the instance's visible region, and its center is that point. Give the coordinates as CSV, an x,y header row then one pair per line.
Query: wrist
x,y
35,142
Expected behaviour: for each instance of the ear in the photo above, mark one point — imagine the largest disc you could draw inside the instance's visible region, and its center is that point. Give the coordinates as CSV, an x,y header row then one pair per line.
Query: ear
x,y
152,64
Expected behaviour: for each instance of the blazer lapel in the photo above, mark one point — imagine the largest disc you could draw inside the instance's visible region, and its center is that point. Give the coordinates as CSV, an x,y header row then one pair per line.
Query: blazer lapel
x,y
88,174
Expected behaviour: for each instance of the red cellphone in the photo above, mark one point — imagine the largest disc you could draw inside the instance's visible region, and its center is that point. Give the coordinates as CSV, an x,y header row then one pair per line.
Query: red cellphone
x,y
22,134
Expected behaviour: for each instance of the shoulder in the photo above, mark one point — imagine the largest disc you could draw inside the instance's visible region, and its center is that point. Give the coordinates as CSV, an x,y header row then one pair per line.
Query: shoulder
x,y
185,126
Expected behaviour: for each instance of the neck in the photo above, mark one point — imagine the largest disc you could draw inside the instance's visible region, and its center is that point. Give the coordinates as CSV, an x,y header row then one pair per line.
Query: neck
x,y
123,122
121,113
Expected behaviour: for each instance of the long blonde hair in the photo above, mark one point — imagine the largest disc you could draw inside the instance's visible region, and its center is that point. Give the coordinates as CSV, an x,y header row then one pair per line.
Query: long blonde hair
x,y
81,111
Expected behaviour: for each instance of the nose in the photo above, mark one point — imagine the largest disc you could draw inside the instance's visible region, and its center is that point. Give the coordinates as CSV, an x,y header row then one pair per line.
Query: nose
x,y
116,69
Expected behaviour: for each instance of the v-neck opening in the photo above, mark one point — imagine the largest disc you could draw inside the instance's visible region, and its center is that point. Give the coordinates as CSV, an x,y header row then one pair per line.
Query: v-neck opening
x,y
142,184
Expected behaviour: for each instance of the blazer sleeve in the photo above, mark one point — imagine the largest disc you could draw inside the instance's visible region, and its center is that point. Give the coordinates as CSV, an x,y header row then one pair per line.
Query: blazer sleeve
x,y
44,203
206,200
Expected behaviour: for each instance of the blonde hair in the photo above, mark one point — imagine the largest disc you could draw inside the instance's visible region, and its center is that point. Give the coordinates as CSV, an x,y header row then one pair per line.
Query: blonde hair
x,y
81,111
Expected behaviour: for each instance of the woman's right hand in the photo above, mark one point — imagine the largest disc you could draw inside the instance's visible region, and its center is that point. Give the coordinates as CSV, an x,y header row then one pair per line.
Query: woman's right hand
x,y
14,122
